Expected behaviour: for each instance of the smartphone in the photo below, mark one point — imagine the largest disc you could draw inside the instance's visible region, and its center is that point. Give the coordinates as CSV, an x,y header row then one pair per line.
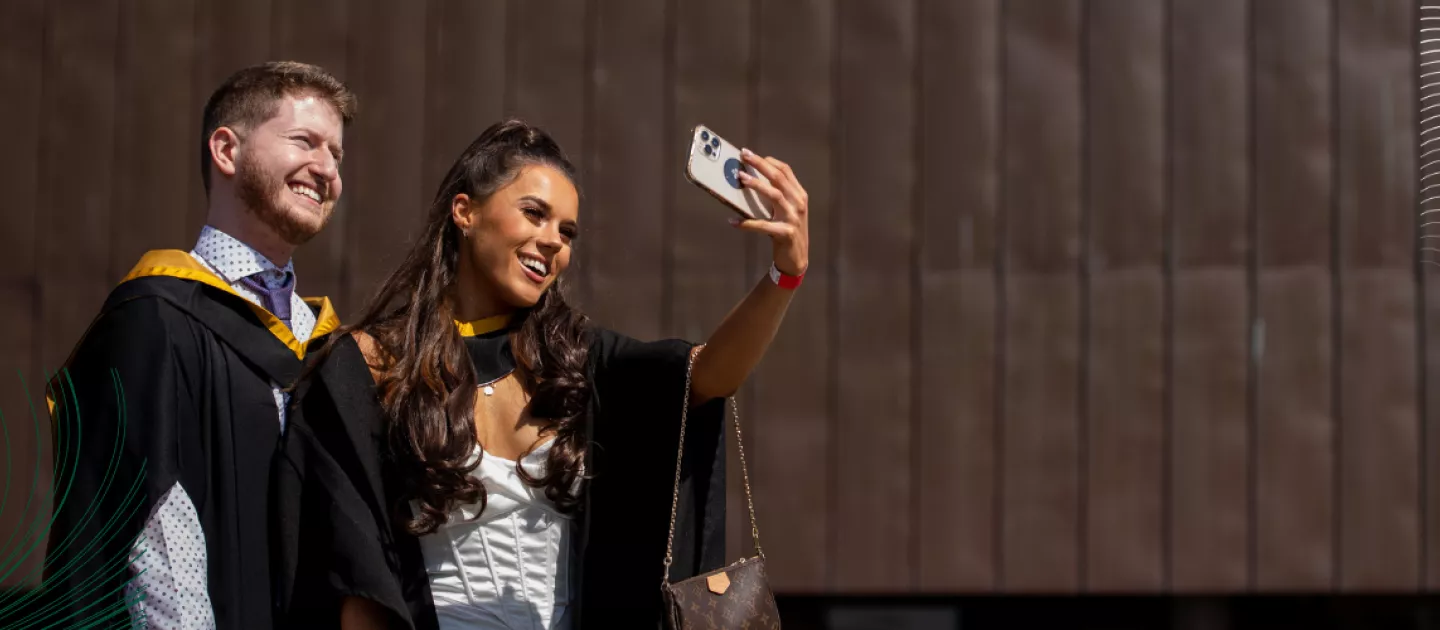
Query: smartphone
x,y
713,165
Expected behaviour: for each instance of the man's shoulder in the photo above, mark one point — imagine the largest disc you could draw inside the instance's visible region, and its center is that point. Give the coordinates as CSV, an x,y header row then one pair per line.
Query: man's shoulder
x,y
168,288
136,320
152,299
139,313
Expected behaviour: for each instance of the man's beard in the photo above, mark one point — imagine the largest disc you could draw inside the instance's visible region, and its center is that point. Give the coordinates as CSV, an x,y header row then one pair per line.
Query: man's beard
x,y
257,192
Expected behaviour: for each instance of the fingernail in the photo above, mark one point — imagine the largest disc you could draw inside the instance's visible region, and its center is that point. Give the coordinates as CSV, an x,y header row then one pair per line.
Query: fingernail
x,y
734,221
746,152
742,174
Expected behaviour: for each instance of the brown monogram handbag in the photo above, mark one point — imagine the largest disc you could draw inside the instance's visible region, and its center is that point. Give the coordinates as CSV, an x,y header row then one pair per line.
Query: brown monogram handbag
x,y
733,598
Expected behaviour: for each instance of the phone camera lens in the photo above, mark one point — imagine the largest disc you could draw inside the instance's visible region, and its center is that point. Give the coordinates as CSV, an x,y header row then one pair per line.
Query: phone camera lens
x,y
704,135
708,150
715,142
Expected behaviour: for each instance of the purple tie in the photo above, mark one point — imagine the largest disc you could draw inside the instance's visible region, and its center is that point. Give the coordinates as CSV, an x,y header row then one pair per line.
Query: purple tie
x,y
275,300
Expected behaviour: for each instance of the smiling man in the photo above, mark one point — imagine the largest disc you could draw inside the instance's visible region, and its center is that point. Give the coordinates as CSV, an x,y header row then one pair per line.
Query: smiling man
x,y
183,372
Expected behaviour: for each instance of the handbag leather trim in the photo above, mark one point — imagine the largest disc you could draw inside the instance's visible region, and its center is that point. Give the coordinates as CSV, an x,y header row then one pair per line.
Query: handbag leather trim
x,y
718,582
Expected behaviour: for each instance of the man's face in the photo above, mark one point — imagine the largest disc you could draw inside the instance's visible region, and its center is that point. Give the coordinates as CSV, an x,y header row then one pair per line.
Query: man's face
x,y
287,169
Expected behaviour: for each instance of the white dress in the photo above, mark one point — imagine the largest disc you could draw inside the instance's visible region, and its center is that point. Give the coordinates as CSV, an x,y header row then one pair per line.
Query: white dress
x,y
510,568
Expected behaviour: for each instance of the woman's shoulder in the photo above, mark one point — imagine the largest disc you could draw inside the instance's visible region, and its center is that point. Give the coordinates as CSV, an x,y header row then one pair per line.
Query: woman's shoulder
x,y
370,353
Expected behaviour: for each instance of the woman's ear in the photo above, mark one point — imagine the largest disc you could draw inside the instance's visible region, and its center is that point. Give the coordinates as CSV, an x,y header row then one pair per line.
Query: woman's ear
x,y
462,213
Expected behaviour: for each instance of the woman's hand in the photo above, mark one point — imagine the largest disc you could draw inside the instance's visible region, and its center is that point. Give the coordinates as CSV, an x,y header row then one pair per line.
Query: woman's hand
x,y
789,229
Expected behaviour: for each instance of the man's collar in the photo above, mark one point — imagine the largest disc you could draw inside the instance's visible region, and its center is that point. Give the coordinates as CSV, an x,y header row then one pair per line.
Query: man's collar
x,y
233,259
177,264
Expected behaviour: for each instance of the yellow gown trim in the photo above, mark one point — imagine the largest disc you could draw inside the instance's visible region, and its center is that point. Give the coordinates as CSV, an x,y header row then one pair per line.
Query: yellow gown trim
x,y
179,264
482,326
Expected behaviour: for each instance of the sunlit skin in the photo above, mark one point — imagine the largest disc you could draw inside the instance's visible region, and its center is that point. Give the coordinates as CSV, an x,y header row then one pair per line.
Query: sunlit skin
x,y
263,178
535,218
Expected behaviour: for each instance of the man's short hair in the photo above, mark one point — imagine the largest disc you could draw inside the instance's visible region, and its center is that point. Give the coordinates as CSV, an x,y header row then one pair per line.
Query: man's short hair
x,y
251,96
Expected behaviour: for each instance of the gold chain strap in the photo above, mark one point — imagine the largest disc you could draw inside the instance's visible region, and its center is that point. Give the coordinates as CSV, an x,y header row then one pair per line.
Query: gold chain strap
x,y
680,456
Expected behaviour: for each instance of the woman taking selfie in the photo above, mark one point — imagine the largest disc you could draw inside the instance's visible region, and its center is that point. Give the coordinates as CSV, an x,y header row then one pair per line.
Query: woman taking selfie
x,y
474,453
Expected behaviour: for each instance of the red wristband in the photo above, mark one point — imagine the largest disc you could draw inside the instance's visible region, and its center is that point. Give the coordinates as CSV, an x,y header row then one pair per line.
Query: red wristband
x,y
784,280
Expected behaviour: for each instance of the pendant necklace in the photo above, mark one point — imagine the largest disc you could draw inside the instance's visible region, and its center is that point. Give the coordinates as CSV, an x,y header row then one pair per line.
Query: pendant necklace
x,y
489,388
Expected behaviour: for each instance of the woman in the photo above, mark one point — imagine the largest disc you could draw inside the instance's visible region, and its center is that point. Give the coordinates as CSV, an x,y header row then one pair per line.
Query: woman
x,y
473,453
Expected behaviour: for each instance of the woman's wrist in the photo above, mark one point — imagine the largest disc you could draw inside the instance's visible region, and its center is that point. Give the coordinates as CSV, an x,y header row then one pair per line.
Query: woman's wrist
x,y
784,279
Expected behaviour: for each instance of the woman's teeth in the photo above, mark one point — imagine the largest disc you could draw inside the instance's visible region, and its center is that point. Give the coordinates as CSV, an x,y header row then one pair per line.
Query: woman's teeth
x,y
534,265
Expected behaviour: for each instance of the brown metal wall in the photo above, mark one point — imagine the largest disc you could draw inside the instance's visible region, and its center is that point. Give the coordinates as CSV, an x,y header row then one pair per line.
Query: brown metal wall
x,y
1107,295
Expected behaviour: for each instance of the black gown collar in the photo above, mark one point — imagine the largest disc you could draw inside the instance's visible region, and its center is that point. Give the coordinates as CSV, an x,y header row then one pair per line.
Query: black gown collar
x,y
488,342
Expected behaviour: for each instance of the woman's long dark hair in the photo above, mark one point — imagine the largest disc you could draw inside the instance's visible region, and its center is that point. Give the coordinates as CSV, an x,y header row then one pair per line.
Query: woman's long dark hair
x,y
426,380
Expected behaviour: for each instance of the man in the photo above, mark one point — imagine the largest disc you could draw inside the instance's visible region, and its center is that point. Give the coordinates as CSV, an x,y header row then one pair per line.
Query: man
x,y
178,386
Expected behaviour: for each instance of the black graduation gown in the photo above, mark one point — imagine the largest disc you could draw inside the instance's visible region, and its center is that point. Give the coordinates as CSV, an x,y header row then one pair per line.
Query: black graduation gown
x,y
194,405
337,535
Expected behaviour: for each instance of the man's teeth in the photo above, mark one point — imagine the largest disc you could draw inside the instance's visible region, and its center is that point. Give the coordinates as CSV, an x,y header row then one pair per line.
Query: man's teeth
x,y
534,265
308,192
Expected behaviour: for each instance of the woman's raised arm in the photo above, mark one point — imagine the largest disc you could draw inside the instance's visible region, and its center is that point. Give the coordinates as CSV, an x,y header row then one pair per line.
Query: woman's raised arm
x,y
738,344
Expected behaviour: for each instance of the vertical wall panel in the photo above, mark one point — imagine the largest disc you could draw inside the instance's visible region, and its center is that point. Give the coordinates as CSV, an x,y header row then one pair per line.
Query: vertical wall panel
x,y
1209,195
465,81
625,218
22,50
155,146
876,45
385,151
1380,466
547,58
1042,193
954,458
295,34
77,127
1125,372
1295,429
793,118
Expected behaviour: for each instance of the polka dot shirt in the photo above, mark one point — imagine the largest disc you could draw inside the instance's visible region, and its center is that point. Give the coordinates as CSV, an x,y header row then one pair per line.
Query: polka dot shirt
x,y
169,589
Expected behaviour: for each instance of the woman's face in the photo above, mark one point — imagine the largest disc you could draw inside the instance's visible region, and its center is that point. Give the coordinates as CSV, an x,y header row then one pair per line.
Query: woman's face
x,y
517,242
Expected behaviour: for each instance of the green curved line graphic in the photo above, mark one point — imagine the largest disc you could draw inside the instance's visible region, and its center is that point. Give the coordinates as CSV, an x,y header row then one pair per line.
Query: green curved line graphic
x,y
111,529
110,469
34,481
104,536
24,541
5,433
86,587
61,447
57,601
117,562
110,607
31,539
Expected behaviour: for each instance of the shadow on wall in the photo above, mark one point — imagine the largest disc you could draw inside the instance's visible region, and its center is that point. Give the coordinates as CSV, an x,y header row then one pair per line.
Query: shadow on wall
x,y
1261,612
